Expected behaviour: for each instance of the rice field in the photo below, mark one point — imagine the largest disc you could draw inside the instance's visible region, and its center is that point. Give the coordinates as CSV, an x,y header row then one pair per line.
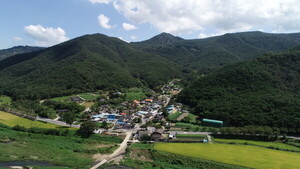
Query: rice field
x,y
242,155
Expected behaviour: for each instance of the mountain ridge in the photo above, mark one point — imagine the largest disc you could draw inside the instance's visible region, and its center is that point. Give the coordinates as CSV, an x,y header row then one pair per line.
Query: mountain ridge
x,y
5,53
209,54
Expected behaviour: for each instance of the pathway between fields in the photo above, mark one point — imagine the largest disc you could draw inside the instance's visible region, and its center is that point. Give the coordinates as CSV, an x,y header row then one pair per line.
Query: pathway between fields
x,y
116,153
182,116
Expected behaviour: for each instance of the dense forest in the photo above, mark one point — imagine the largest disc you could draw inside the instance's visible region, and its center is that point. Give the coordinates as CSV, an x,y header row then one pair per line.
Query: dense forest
x,y
88,63
209,54
264,91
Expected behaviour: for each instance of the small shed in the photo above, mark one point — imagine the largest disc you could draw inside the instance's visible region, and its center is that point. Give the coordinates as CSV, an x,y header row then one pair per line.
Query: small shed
x,y
212,123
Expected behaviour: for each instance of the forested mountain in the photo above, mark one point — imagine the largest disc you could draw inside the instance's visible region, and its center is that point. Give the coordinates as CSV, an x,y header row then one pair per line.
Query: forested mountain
x,y
87,63
206,55
5,53
262,91
97,61
162,39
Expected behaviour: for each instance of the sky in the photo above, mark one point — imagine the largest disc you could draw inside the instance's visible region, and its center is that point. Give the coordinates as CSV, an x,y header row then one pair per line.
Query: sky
x,y
50,22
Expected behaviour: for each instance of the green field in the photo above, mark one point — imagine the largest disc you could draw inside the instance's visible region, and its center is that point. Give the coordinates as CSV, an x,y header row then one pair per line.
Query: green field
x,y
142,156
174,116
5,100
130,96
12,120
242,155
88,96
198,136
192,118
188,126
260,143
85,96
68,151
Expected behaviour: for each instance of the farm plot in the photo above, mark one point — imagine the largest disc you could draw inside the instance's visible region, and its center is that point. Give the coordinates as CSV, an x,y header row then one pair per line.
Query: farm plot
x,y
242,155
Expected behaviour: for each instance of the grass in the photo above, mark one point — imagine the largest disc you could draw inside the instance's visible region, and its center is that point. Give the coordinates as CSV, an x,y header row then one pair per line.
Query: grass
x,y
188,126
198,136
12,120
89,96
242,155
5,100
275,145
72,152
174,116
135,94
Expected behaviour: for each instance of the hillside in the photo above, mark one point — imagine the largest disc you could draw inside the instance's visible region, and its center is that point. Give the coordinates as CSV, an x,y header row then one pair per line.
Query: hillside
x,y
5,53
209,54
87,63
263,91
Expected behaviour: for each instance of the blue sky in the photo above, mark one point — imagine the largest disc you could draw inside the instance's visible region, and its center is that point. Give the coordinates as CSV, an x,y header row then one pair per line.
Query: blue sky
x,y
49,22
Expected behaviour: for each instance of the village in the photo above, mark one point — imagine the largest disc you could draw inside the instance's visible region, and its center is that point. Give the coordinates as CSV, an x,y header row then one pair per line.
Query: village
x,y
147,118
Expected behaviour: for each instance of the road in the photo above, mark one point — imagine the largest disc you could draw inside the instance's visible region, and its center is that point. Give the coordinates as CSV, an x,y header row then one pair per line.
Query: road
x,y
119,151
60,123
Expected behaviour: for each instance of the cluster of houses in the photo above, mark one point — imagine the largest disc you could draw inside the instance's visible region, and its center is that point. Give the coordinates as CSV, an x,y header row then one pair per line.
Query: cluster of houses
x,y
146,108
150,134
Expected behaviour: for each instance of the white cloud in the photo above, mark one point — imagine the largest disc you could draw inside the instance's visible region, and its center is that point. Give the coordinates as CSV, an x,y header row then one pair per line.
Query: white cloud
x,y
46,36
104,21
128,27
101,1
17,39
181,16
133,37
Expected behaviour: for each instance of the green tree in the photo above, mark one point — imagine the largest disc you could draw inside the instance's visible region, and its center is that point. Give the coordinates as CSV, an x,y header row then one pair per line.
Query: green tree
x,y
69,117
164,112
88,127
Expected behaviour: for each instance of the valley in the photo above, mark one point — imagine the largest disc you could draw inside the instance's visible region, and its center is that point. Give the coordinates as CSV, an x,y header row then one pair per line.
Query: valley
x,y
98,102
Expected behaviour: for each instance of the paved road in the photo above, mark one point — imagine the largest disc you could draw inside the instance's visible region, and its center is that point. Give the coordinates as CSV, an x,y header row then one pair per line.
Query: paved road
x,y
60,123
